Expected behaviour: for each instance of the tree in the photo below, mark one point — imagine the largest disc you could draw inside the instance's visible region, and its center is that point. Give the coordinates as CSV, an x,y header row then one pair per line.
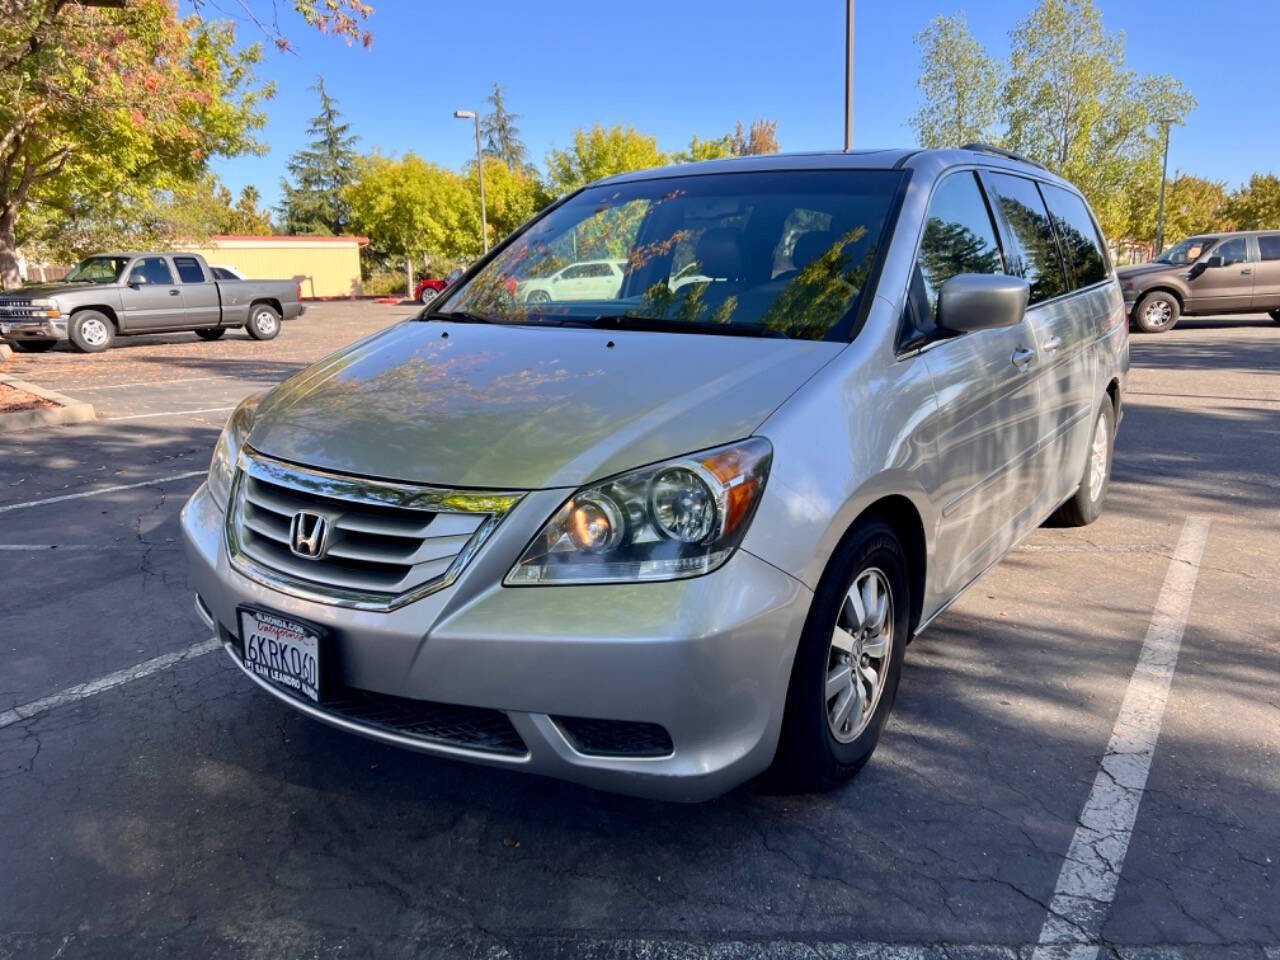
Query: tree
x,y
103,106
500,133
761,138
960,83
1069,102
511,194
246,218
1256,206
341,18
411,209
601,152
316,201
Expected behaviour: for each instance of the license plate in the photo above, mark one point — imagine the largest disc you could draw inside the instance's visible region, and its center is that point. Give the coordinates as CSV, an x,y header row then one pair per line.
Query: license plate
x,y
281,650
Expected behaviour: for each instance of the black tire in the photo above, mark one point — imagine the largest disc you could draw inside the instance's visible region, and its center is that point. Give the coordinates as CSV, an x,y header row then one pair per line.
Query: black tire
x,y
1085,506
1157,312
538,296
810,756
211,333
90,331
1275,315
32,346
264,322
428,296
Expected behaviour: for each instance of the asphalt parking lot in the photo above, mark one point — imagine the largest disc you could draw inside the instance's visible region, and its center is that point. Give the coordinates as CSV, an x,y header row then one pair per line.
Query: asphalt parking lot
x,y
155,804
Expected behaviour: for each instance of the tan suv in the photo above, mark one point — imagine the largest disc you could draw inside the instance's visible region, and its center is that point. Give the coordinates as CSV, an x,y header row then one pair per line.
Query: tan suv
x,y
1212,273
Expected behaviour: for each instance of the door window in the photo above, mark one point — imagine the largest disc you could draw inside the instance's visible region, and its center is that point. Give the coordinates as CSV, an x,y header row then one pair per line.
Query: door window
x,y
959,236
1232,251
189,269
576,273
153,270
1037,247
1269,246
1081,244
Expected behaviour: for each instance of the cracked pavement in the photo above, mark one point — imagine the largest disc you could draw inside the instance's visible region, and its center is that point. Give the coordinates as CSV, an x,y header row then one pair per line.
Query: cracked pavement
x,y
186,813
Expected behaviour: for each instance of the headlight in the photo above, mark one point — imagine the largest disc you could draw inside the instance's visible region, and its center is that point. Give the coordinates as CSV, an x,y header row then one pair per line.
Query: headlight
x,y
676,519
223,466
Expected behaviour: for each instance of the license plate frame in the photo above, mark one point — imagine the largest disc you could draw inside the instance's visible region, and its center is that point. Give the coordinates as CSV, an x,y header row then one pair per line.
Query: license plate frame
x,y
260,629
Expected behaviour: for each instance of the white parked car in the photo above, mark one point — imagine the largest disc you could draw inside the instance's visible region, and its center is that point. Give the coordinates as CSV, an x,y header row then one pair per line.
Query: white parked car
x,y
222,271
586,280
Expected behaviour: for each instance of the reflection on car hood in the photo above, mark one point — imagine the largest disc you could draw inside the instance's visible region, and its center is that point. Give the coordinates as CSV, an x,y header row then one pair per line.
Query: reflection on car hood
x,y
1141,269
37,291
524,407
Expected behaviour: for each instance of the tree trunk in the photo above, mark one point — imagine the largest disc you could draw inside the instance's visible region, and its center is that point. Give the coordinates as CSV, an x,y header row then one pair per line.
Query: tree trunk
x,y
10,278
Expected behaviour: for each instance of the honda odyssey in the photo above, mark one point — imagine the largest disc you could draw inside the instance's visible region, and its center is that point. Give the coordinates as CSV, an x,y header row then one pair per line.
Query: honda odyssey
x,y
669,537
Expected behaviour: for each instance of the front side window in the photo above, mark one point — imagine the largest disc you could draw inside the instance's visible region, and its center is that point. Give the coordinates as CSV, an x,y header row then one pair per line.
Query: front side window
x,y
1081,244
1232,251
1025,212
765,254
154,270
1269,246
189,269
959,236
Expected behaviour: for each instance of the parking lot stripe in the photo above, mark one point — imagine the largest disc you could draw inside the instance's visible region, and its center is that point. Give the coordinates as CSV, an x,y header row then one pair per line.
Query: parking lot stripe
x,y
1089,877
101,490
170,413
79,692
148,383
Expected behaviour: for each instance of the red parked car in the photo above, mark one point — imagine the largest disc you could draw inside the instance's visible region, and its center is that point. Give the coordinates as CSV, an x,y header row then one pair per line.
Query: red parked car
x,y
428,289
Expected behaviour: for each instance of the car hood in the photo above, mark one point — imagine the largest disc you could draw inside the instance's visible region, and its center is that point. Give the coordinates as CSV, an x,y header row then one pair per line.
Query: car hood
x,y
1143,269
39,291
525,408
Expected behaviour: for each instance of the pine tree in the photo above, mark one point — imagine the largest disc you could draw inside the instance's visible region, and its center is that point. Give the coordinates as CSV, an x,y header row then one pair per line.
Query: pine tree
x,y
500,133
315,201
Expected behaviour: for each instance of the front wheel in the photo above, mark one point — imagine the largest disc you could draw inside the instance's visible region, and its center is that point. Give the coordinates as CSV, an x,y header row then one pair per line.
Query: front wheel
x,y
1157,312
264,322
32,346
211,333
90,331
538,296
428,296
845,676
1086,505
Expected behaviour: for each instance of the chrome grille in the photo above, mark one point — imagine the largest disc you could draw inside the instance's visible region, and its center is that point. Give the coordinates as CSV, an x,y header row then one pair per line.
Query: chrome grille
x,y
387,543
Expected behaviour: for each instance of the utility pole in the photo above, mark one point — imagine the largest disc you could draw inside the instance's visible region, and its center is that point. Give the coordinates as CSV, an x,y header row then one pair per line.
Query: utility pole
x,y
848,76
1167,122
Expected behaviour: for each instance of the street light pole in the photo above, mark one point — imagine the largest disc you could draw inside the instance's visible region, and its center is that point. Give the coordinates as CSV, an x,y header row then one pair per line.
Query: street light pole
x,y
484,224
848,76
1164,170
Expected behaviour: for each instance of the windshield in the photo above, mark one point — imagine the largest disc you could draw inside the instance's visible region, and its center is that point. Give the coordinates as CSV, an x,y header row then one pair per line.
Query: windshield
x,y
774,254
98,270
1188,251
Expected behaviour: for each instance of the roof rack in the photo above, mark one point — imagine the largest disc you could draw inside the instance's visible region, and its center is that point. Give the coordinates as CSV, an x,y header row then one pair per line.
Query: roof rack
x,y
1001,152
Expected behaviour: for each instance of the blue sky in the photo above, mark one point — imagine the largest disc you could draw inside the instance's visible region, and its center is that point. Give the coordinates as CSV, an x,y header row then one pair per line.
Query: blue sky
x,y
678,68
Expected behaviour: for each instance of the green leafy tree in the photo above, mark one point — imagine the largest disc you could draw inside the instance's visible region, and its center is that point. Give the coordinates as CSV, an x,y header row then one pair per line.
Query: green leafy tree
x,y
413,211
762,137
1256,206
315,202
512,195
960,83
247,218
601,152
1070,103
101,107
500,133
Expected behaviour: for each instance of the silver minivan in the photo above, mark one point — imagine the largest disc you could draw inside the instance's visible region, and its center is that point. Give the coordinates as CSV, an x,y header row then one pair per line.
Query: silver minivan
x,y
663,538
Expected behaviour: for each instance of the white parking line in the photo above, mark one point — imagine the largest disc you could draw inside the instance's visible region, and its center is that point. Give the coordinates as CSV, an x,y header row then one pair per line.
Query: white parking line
x,y
1087,883
101,490
146,383
170,413
81,691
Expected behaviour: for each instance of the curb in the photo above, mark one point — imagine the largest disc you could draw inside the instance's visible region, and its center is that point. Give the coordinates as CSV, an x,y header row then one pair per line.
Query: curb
x,y
67,410
6,352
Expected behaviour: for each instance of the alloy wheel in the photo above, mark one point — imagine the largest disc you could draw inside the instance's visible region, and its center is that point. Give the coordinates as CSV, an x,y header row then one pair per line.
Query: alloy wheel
x,y
858,659
1098,453
94,332
1158,313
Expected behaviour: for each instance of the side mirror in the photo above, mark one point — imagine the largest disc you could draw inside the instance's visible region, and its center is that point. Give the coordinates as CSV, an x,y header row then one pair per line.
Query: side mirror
x,y
1213,262
982,301
136,280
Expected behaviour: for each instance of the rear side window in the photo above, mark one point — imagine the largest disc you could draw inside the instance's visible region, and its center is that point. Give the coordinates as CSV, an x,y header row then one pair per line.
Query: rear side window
x,y
1037,247
1081,244
1269,247
189,269
959,236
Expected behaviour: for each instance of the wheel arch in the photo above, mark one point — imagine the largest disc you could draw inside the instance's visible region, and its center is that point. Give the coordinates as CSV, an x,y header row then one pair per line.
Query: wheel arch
x,y
1163,288
102,308
271,302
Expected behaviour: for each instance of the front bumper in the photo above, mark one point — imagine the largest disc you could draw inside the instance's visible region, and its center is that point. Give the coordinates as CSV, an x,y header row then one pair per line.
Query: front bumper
x,y
709,659
33,329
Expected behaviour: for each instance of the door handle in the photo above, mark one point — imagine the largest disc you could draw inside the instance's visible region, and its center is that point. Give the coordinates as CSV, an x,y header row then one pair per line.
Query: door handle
x,y
174,293
1022,357
1247,272
1052,344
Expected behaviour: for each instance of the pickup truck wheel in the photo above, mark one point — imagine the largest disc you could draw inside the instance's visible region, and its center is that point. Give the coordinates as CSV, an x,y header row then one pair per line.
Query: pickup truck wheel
x,y
845,676
427,295
91,331
32,346
211,333
1157,312
264,322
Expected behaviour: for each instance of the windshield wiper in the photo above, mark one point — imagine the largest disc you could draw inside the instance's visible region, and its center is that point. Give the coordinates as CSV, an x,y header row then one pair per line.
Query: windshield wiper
x,y
625,321
459,316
